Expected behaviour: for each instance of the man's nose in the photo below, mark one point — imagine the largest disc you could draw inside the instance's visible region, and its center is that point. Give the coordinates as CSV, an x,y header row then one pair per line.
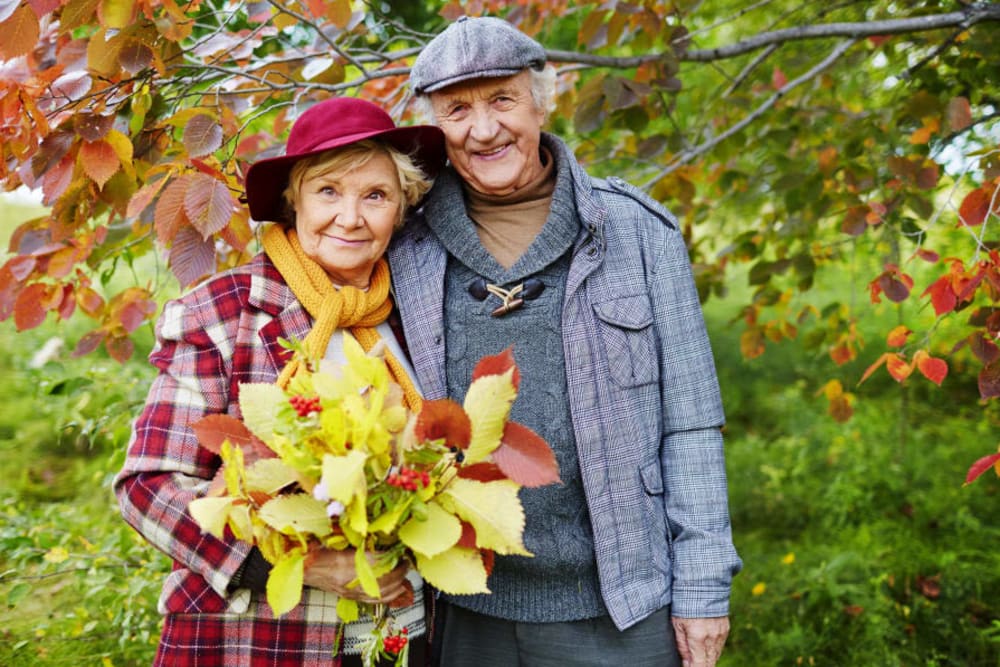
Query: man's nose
x,y
484,126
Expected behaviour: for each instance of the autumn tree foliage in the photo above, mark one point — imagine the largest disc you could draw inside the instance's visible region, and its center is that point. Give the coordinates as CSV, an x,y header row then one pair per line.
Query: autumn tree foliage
x,y
787,136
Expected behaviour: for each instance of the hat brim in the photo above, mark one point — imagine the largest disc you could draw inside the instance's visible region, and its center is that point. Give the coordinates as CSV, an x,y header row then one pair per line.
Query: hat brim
x,y
267,179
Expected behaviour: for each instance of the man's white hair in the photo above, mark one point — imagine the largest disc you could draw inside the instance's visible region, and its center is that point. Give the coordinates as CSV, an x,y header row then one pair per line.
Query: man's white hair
x,y
543,94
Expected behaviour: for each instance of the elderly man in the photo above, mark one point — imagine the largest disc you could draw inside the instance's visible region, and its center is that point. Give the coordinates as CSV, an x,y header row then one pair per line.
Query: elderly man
x,y
590,283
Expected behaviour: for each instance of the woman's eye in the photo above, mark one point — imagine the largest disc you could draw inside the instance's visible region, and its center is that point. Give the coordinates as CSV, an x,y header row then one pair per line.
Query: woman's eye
x,y
327,190
377,195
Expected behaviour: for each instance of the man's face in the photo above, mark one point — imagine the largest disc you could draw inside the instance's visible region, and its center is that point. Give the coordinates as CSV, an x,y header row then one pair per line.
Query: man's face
x,y
492,131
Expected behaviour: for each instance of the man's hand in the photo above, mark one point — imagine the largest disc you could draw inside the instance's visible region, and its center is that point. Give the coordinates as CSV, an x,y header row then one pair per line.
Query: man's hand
x,y
331,570
700,640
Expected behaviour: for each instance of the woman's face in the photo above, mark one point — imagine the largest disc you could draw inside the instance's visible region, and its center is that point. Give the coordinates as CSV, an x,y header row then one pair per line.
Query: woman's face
x,y
344,221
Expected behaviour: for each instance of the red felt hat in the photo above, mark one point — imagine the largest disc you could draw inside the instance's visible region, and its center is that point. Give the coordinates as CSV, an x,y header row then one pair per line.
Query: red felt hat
x,y
332,123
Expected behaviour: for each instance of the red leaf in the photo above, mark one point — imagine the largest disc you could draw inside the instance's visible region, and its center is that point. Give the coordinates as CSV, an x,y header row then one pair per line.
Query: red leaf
x,y
202,135
68,304
93,127
208,204
21,266
120,348
482,472
778,79
932,368
57,180
942,295
213,430
43,7
895,289
525,457
959,114
467,540
489,557
974,208
989,381
143,198
444,419
927,255
53,149
981,466
88,343
984,348
498,364
135,56
99,161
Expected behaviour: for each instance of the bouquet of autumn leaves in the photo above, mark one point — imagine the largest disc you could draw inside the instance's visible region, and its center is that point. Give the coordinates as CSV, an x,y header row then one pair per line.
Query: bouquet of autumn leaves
x,y
336,460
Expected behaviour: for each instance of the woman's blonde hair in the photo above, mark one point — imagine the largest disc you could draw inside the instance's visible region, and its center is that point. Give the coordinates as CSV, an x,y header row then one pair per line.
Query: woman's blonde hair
x,y
413,182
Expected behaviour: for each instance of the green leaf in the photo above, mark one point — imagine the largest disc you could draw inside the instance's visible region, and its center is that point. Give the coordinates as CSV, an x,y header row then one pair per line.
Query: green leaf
x,y
284,584
433,535
347,610
18,592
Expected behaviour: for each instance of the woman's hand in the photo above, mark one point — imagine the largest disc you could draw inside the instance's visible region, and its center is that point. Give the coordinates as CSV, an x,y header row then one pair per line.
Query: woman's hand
x,y
331,570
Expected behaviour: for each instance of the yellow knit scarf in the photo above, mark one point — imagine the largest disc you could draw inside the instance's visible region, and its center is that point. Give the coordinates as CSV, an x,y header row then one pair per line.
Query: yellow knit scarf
x,y
331,308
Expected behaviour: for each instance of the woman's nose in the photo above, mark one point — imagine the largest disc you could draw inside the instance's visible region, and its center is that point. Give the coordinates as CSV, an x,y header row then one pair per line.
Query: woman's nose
x,y
349,214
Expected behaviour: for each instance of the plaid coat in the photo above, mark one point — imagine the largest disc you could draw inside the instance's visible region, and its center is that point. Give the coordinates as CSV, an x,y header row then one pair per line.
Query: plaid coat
x,y
643,395
222,333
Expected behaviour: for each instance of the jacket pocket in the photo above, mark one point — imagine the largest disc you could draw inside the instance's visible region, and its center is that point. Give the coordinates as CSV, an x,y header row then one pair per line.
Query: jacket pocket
x,y
628,338
660,539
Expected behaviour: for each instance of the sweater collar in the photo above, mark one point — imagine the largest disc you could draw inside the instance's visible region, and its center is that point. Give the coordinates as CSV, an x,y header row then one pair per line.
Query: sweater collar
x,y
446,215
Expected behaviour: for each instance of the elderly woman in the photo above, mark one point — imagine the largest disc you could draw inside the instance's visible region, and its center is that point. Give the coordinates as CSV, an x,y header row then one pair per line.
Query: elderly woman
x,y
337,195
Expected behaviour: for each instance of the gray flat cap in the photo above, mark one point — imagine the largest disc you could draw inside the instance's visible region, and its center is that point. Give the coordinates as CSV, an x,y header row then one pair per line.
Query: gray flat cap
x,y
474,48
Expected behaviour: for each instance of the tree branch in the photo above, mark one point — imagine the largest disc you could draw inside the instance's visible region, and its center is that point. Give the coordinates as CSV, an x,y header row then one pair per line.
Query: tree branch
x,y
686,156
964,19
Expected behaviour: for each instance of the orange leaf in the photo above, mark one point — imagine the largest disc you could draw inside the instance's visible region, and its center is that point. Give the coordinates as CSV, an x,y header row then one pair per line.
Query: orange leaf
x,y
19,33
752,343
959,114
841,353
498,364
169,215
874,367
89,301
840,408
525,457
932,368
898,368
116,13
99,161
61,262
213,430
981,466
120,348
29,309
444,419
143,197
897,337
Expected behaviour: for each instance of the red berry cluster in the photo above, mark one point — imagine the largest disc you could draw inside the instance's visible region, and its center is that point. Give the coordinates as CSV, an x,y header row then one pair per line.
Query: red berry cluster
x,y
409,479
395,643
303,405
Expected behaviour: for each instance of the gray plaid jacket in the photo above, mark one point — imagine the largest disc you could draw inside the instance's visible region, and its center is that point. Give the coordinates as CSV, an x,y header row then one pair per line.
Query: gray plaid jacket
x,y
643,392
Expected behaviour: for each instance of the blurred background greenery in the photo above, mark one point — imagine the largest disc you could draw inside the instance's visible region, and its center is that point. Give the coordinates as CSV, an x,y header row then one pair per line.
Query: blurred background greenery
x,y
861,545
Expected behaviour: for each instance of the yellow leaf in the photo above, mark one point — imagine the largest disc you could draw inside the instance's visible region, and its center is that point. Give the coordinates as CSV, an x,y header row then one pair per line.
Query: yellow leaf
x,y
284,584
269,476
366,576
56,555
789,558
488,404
344,476
259,404
122,146
240,522
493,509
347,610
211,513
386,522
116,13
295,514
433,535
457,571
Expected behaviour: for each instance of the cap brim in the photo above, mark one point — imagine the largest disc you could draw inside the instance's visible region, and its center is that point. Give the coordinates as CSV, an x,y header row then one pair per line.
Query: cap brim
x,y
267,179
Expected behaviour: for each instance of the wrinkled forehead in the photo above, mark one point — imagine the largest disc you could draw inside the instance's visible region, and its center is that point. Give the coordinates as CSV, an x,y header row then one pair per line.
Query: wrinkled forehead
x,y
483,89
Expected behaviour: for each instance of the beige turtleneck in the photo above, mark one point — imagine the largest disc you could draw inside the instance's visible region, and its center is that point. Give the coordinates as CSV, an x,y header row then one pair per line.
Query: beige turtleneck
x,y
508,224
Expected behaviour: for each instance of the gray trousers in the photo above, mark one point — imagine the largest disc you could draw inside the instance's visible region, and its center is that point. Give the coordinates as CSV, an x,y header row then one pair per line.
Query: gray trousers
x,y
469,639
